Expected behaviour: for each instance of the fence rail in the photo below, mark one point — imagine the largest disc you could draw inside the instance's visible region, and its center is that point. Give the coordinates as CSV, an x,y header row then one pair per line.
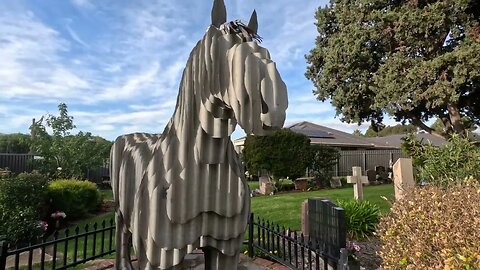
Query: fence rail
x,y
63,250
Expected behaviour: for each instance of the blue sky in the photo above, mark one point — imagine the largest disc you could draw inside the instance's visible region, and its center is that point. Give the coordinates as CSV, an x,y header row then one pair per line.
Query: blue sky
x,y
117,64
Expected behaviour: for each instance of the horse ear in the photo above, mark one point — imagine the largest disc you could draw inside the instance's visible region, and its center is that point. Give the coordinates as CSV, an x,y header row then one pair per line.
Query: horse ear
x,y
253,24
219,13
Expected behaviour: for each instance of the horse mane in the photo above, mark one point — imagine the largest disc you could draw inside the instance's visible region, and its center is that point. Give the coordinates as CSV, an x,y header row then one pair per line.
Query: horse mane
x,y
239,28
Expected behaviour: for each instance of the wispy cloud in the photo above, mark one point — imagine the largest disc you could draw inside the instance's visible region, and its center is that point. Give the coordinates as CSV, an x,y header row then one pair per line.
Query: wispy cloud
x,y
75,37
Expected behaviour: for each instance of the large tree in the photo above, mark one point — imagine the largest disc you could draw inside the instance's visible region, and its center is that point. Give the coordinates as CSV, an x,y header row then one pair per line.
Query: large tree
x,y
66,154
285,153
413,60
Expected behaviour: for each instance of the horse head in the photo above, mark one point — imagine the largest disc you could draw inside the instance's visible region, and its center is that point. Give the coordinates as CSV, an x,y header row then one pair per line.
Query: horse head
x,y
246,84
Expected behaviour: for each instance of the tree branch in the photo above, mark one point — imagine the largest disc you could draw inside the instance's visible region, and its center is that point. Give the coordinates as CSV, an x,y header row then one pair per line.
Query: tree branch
x,y
417,122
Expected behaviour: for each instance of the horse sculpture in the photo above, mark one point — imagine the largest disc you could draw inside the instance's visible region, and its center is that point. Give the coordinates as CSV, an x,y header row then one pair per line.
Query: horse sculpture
x,y
185,189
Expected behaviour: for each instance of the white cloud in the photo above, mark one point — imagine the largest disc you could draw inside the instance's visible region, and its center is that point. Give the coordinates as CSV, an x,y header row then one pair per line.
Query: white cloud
x,y
31,65
83,4
132,86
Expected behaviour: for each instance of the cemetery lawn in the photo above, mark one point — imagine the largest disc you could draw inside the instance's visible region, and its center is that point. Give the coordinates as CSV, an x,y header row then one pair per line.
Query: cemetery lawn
x,y
284,209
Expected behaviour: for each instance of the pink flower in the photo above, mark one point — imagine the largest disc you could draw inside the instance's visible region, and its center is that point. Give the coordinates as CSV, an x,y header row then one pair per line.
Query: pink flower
x,y
43,225
353,247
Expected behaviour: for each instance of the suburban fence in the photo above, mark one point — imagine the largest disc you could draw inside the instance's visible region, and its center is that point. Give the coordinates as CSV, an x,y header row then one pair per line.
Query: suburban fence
x,y
324,249
63,250
16,163
19,163
366,159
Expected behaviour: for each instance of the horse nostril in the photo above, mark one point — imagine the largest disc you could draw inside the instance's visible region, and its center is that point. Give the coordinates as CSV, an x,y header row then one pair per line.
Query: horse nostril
x,y
264,107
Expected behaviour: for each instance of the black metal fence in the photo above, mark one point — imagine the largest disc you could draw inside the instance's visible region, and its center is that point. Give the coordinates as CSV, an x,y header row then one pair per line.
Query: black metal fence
x,y
323,249
63,250
70,248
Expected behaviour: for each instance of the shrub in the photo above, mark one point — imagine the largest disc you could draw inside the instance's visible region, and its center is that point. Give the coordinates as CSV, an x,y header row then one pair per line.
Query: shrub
x,y
284,185
433,228
74,197
449,164
22,205
322,164
360,217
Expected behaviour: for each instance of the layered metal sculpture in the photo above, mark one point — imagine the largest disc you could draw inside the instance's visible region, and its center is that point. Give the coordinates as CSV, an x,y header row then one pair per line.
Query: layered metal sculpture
x,y
185,189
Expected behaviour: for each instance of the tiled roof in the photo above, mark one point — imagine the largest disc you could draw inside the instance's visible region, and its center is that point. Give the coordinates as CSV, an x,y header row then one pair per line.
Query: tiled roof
x,y
323,135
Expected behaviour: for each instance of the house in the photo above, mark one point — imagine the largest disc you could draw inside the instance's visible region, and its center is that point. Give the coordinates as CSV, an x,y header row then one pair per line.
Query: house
x,y
323,135
368,153
395,141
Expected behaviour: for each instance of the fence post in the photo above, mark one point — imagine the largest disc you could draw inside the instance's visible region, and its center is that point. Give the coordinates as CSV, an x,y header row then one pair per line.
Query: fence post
x,y
250,236
364,163
3,254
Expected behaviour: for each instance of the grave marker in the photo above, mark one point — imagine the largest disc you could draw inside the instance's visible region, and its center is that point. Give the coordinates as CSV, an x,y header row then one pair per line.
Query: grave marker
x,y
403,177
357,180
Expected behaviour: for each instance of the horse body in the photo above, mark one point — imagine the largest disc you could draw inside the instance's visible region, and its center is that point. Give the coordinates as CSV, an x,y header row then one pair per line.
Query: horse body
x,y
185,189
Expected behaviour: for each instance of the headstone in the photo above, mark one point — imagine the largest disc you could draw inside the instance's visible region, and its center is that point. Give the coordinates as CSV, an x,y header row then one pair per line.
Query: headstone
x,y
266,186
371,175
335,183
357,180
305,218
403,177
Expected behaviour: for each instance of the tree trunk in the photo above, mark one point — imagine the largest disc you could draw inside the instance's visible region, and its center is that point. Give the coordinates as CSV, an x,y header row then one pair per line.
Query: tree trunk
x,y
456,119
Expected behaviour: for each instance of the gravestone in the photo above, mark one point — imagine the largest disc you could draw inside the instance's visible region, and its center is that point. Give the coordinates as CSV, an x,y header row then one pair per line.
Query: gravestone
x,y
357,180
403,177
335,183
327,228
266,186
372,176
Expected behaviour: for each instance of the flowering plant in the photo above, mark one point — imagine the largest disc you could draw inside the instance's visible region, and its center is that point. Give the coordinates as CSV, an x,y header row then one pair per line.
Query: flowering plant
x,y
58,214
352,248
43,225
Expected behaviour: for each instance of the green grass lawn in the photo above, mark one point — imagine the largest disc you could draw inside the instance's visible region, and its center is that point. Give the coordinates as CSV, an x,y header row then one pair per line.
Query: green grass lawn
x,y
285,209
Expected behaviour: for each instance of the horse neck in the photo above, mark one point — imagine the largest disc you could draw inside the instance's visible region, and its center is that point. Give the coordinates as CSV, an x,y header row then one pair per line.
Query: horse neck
x,y
198,132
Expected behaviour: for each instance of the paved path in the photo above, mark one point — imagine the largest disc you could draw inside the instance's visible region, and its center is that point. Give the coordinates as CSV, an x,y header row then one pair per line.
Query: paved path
x,y
195,262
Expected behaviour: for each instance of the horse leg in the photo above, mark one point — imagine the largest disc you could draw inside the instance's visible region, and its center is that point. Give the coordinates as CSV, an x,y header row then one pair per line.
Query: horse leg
x,y
216,260
123,238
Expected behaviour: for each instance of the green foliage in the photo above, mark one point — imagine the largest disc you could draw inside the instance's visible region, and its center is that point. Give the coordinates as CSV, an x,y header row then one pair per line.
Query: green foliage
x,y
22,205
284,185
74,154
390,130
433,228
412,60
15,143
358,132
285,153
361,218
324,159
74,197
449,164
